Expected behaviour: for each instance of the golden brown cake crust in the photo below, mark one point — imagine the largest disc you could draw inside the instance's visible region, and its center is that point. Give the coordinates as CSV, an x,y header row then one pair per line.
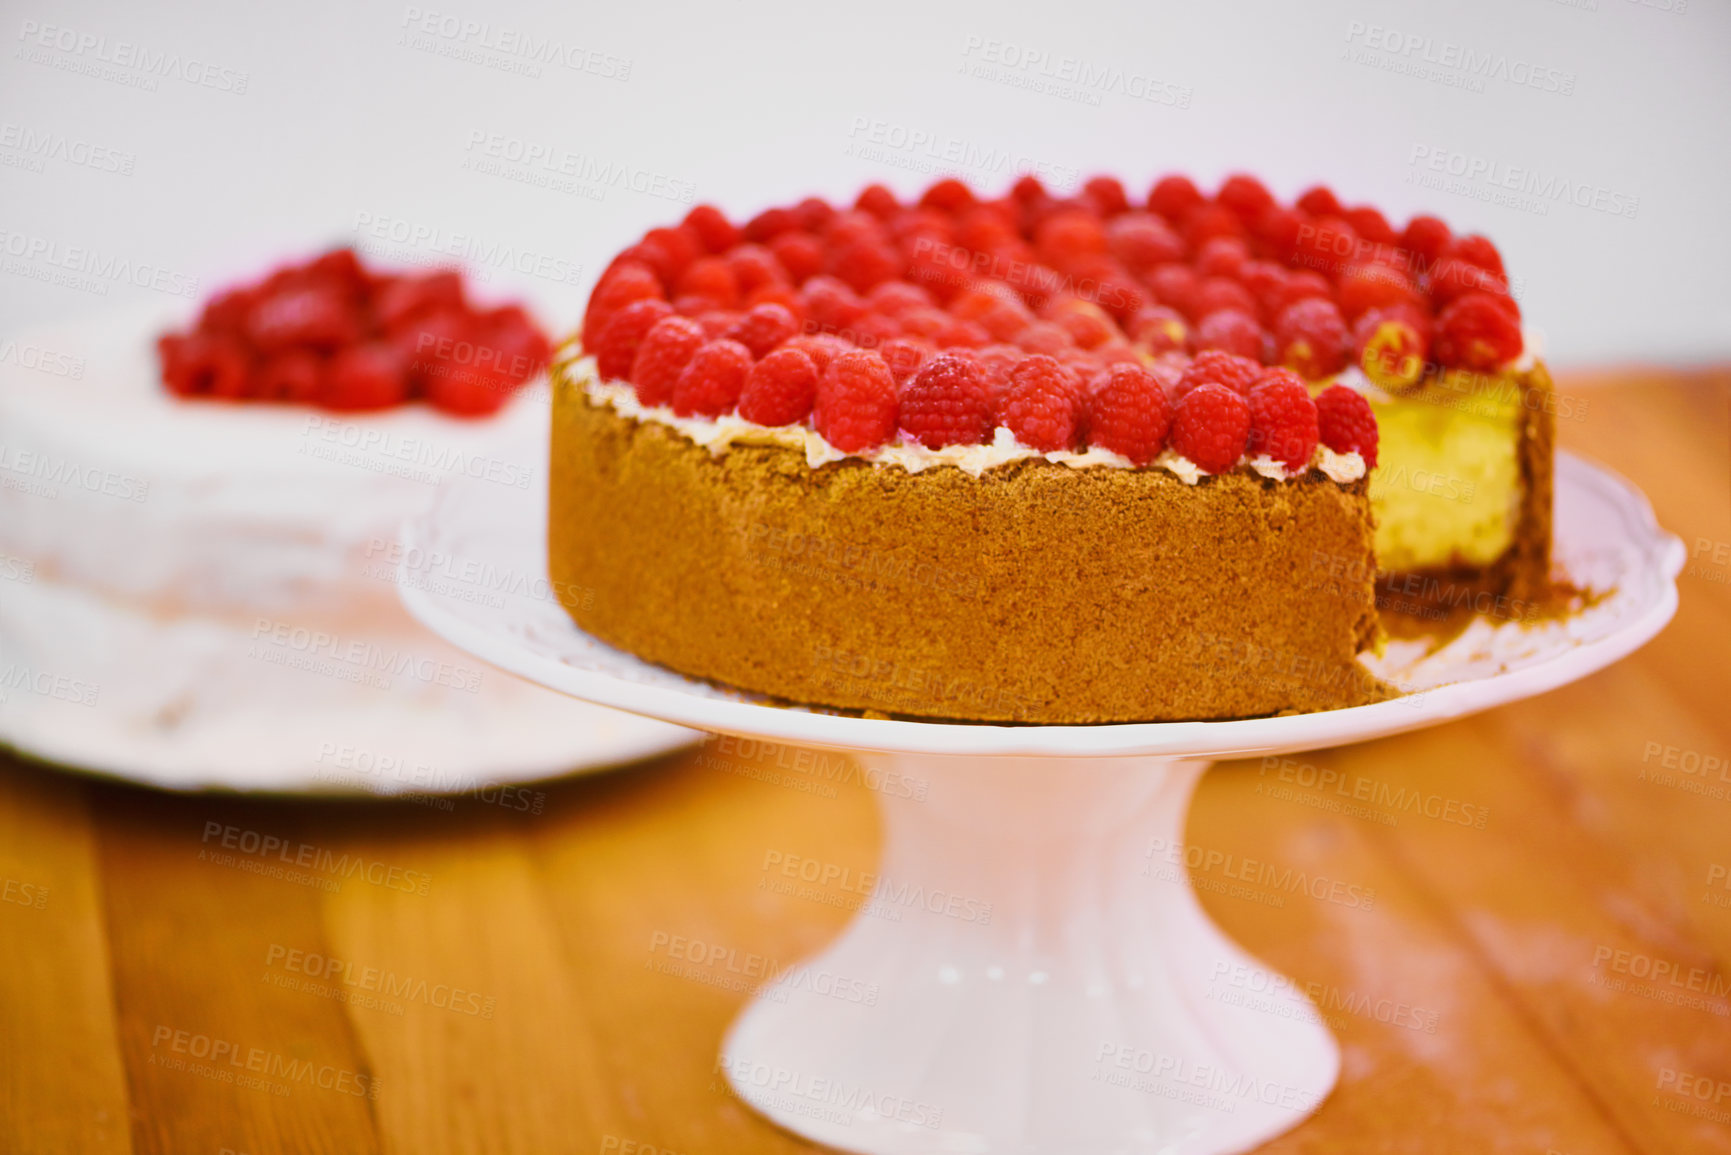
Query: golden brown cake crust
x,y
1033,593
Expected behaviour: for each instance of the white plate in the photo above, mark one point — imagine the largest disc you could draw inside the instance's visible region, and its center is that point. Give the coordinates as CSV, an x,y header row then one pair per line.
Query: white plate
x,y
1606,539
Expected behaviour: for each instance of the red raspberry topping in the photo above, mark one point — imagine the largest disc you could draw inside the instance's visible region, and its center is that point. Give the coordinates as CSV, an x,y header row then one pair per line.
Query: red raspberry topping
x,y
1211,426
1128,413
830,304
711,381
1215,367
1393,345
1216,293
893,298
402,299
822,348
710,277
947,403
1477,331
1278,230
1282,419
1222,257
1319,201
1043,405
1371,225
1159,329
1232,331
1345,423
618,287
948,195
1246,196
1298,285
675,249
769,223
801,254
295,376
1476,250
616,348
879,201
662,356
763,328
855,405
204,365
1176,286
904,356
1142,241
372,376
1311,338
779,389
1106,194
754,267
717,322
1174,196
1427,238
1207,221
717,233
1045,337
864,264
314,315
961,335
1363,287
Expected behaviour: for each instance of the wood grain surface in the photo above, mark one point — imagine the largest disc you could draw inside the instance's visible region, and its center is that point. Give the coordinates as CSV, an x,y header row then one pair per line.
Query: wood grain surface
x,y
1550,975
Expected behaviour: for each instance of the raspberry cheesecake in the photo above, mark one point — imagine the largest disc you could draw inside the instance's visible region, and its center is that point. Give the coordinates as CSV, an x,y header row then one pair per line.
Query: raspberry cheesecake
x,y
1037,458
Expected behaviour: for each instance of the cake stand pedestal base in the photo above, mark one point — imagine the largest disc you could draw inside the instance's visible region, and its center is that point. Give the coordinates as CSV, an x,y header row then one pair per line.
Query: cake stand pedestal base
x,y
1029,971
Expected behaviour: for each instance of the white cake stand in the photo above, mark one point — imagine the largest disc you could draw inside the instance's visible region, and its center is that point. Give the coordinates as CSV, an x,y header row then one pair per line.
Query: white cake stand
x,y
1074,1016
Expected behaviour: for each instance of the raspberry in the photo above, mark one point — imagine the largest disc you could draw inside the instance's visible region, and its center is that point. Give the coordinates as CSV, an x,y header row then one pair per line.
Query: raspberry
x,y
879,201
520,348
1363,287
1042,406
662,356
1453,276
948,195
1311,338
619,286
831,305
924,321
371,376
893,298
204,365
1106,194
1215,367
429,345
710,277
1142,241
1319,201
754,267
1345,423
1392,346
1068,234
294,376
801,254
1278,230
1222,257
1087,324
401,299
1477,331
947,403
1159,329
1211,426
1282,419
862,265
855,404
784,295
1220,292
316,317
1207,221
813,213
767,224
763,328
1370,224
1176,286
1476,250
678,248
1298,285
226,312
1173,197
904,356
822,348
1045,337
961,335
1326,245
1427,238
1233,331
779,389
711,381
717,323
1246,196
712,226
996,363
1128,413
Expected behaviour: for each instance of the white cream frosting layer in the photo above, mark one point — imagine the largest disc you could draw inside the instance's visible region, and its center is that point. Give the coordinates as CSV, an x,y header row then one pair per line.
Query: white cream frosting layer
x,y
110,483
717,434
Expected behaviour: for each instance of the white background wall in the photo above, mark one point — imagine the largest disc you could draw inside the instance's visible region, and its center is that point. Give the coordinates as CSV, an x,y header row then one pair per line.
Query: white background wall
x,y
351,119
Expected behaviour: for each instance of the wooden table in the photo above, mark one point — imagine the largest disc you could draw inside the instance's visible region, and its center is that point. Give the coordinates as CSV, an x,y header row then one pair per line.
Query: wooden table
x,y
485,978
